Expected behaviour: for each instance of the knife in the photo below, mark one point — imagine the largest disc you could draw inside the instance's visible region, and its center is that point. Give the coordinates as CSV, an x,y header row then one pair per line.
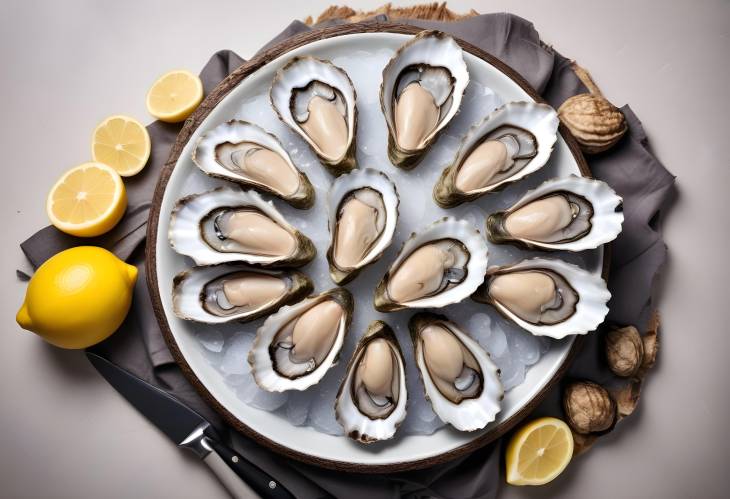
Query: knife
x,y
189,430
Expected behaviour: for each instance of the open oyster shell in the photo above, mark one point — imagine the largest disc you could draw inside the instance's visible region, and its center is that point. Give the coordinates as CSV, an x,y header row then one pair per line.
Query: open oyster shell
x,y
295,347
225,293
440,265
547,297
371,401
363,212
422,88
459,378
249,155
317,100
571,213
228,225
512,142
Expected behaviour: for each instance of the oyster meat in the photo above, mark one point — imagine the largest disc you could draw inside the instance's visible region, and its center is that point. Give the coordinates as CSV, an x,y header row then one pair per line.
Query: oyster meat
x,y
363,212
421,92
571,213
228,225
247,154
225,293
512,142
441,265
546,297
295,347
460,379
371,401
317,100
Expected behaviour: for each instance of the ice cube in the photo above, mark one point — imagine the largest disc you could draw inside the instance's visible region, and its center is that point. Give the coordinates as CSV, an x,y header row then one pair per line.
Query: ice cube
x,y
236,353
211,339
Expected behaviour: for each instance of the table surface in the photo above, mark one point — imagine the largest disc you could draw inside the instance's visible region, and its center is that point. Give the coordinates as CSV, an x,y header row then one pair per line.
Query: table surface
x,y
67,65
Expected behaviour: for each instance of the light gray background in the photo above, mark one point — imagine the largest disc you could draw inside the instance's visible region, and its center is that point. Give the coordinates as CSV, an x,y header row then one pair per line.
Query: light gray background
x,y
66,65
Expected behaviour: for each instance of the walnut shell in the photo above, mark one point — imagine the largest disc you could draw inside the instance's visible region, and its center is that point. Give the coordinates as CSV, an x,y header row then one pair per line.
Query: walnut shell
x,y
624,351
588,407
594,122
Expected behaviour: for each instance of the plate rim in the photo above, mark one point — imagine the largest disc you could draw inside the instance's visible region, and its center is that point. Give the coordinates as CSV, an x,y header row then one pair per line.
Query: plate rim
x,y
193,122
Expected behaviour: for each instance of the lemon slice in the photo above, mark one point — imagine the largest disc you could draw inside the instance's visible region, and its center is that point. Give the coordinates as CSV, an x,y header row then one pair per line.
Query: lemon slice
x,y
174,96
122,143
538,452
87,200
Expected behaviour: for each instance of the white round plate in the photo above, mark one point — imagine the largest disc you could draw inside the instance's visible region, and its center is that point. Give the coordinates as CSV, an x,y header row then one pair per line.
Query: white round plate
x,y
304,442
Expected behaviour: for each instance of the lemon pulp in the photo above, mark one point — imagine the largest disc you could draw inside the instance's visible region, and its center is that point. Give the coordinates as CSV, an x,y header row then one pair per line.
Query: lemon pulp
x,y
538,452
122,143
174,96
87,200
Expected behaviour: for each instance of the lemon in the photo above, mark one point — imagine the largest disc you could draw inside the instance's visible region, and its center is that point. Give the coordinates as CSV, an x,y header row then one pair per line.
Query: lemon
x,y
174,96
78,297
122,143
538,452
87,200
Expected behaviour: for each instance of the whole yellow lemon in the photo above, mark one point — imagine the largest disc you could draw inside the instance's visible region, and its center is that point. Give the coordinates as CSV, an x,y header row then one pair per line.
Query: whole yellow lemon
x,y
78,297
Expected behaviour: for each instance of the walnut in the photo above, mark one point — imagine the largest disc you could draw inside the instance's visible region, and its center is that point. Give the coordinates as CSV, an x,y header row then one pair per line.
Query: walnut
x,y
651,344
624,351
594,122
588,407
627,398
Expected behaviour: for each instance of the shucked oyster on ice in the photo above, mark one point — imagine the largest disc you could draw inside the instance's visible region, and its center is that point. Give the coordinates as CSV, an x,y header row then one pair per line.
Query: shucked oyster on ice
x,y
547,297
371,401
317,100
363,212
511,143
247,154
228,225
460,379
225,293
422,88
440,265
295,347
571,213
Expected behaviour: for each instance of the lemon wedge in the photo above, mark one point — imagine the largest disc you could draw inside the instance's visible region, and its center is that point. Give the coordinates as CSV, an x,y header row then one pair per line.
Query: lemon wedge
x,y
174,96
78,297
122,143
538,452
88,200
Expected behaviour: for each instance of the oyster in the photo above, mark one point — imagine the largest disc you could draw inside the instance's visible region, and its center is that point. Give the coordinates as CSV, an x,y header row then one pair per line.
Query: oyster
x,y
509,144
546,297
421,92
247,154
363,212
571,213
228,225
441,265
317,100
459,378
371,401
295,347
225,293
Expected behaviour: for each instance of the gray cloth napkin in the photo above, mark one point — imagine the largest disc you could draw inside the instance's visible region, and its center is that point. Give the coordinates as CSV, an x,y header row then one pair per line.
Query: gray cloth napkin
x,y
638,253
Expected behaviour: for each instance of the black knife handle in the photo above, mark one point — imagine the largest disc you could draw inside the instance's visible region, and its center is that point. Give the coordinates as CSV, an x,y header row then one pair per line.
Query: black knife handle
x,y
260,481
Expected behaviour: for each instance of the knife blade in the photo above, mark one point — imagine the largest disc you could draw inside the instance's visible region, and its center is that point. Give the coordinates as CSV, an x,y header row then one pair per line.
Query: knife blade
x,y
189,430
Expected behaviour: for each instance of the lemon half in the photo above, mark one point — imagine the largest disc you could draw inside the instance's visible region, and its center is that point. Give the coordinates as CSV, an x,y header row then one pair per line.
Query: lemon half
x,y
174,96
87,201
122,143
538,452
